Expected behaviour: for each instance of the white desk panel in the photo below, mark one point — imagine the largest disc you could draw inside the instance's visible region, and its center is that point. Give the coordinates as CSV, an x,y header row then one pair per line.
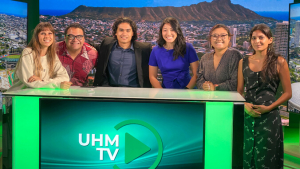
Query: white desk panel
x,y
133,93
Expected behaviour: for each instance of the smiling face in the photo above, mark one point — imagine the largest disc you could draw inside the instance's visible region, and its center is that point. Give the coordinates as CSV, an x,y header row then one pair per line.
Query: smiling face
x,y
219,39
260,41
169,34
124,33
46,38
72,43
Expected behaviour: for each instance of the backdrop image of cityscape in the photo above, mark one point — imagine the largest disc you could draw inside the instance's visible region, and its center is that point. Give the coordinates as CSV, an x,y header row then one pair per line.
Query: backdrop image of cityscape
x,y
195,24
13,38
294,57
195,29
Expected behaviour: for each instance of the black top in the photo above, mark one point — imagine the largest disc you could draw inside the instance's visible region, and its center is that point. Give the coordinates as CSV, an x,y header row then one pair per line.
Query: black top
x,y
263,137
142,53
256,91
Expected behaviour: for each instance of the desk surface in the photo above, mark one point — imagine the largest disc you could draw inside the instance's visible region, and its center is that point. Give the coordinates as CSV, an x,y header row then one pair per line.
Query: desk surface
x,y
132,93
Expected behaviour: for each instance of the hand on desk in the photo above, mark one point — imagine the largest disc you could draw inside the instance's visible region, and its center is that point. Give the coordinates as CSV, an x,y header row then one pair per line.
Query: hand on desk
x,y
34,78
65,85
208,86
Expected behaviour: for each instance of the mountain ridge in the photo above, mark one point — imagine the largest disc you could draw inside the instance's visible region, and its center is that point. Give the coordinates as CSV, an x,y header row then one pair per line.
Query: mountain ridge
x,y
217,10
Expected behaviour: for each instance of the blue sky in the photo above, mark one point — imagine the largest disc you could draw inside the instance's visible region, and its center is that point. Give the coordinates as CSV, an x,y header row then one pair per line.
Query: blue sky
x,y
295,10
255,5
265,5
13,8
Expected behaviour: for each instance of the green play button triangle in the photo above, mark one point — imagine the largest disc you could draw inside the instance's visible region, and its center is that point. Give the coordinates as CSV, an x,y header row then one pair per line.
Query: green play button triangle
x,y
134,148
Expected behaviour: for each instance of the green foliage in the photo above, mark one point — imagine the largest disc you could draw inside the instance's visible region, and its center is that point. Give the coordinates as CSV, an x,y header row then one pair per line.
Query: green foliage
x,y
241,40
293,75
13,56
200,55
297,50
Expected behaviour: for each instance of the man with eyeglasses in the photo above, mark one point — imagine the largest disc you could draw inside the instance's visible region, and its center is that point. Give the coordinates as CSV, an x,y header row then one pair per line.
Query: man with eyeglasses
x,y
123,61
77,56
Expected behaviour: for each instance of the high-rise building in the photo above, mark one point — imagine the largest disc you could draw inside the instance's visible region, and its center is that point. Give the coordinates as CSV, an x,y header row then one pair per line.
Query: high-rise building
x,y
246,45
297,34
292,40
233,32
281,39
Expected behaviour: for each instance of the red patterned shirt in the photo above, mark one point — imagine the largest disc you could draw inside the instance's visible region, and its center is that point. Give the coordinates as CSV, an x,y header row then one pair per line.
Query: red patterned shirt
x,y
79,68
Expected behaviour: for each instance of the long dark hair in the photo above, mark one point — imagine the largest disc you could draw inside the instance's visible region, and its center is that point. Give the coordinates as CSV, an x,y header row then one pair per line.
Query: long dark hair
x,y
125,20
269,69
180,45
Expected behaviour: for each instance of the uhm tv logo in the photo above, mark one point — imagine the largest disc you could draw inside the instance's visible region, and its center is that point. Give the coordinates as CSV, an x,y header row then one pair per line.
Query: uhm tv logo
x,y
134,148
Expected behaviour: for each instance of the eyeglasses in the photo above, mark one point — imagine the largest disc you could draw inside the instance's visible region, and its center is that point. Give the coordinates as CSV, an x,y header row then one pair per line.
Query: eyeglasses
x,y
216,36
72,37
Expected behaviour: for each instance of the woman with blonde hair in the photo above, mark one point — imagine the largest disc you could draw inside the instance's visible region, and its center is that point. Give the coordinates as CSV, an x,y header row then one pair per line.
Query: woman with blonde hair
x,y
39,66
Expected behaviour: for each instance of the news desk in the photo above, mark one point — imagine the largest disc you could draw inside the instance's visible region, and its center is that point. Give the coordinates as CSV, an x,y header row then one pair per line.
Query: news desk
x,y
182,128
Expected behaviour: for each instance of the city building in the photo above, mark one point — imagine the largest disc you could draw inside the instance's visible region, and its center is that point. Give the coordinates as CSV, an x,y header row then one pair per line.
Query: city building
x,y
246,45
233,32
292,41
281,39
13,36
297,33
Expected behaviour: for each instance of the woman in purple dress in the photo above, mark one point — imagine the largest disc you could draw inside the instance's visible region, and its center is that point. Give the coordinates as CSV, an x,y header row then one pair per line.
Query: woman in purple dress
x,y
173,56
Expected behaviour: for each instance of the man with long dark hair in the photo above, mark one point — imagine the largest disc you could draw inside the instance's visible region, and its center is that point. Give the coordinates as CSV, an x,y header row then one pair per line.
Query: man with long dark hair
x,y
122,61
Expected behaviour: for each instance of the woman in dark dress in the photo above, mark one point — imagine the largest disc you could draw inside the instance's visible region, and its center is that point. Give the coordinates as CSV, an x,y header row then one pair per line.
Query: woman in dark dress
x,y
259,75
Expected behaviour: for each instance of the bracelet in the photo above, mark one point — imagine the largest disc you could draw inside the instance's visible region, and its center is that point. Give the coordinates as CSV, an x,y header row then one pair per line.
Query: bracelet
x,y
186,87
